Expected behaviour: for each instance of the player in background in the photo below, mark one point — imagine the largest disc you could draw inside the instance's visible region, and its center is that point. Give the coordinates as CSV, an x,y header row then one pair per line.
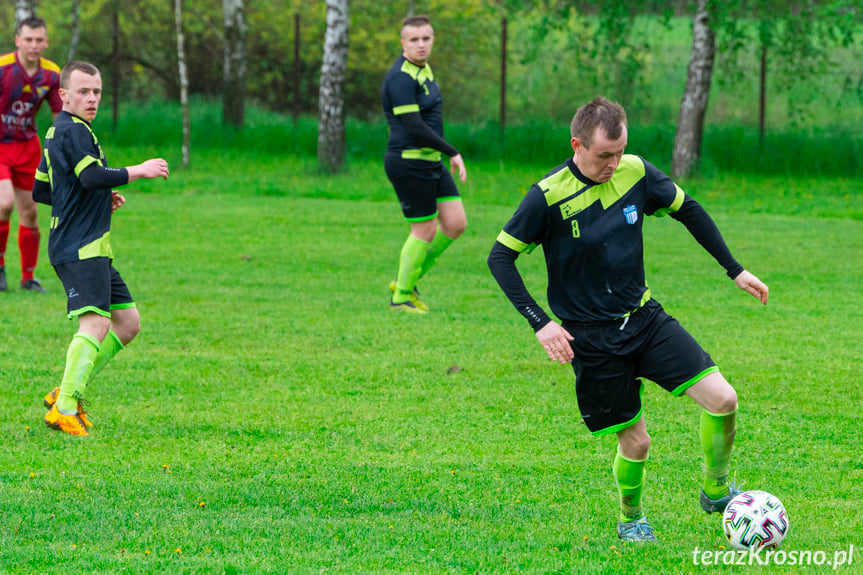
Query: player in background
x,y
587,214
427,192
74,178
26,80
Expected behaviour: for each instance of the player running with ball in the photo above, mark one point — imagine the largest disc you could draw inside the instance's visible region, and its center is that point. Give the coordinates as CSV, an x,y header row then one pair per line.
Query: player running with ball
x,y
587,214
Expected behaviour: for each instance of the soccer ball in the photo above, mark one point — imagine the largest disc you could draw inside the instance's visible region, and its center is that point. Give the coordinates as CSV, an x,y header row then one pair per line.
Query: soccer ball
x,y
755,519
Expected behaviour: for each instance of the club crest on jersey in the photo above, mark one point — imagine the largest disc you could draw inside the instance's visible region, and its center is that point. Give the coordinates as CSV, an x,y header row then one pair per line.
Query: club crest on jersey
x,y
630,212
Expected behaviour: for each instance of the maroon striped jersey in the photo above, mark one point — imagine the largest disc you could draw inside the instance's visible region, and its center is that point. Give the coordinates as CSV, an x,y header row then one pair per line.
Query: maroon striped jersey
x,y
22,95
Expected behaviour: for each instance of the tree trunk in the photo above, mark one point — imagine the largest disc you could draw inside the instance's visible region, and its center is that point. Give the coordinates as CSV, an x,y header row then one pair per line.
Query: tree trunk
x,y
693,107
184,79
115,64
331,126
234,86
76,28
23,10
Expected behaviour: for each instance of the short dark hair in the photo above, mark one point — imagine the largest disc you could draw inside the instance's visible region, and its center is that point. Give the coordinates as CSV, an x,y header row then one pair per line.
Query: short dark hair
x,y
599,112
79,65
416,21
31,22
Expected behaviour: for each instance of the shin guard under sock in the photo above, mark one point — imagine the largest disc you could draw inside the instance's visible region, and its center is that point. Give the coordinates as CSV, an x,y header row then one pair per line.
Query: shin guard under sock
x,y
28,245
110,347
80,356
410,262
717,438
4,239
438,245
629,474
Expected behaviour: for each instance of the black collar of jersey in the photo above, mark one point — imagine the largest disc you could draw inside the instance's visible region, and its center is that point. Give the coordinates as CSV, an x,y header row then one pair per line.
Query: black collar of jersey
x,y
578,175
71,115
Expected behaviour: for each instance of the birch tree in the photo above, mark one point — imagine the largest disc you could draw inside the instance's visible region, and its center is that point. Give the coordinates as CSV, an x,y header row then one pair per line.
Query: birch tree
x,y
23,9
331,125
234,79
76,27
693,107
184,79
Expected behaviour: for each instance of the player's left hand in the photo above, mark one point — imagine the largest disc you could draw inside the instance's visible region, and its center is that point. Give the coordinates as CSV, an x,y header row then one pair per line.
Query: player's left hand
x,y
116,200
748,282
456,164
555,340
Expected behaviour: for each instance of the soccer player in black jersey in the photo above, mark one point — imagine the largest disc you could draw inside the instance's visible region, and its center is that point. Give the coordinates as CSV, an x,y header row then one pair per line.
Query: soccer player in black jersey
x,y
587,214
74,178
427,192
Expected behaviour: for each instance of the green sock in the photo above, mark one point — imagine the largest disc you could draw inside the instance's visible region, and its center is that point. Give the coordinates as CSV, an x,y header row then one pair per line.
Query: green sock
x,y
438,245
629,474
717,438
80,356
110,347
412,256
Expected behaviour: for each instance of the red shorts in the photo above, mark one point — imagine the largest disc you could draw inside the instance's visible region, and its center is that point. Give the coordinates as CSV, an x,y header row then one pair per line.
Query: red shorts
x,y
19,161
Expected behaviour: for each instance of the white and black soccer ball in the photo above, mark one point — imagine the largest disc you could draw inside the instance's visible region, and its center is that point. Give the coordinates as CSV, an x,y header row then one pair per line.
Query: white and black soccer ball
x,y
755,519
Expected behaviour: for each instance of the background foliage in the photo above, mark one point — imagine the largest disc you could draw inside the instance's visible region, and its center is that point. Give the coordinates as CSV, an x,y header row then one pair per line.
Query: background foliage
x,y
560,53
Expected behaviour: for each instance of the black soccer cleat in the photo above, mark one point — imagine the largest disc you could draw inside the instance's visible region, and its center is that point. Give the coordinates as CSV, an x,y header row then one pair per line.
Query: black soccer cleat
x,y
719,505
33,285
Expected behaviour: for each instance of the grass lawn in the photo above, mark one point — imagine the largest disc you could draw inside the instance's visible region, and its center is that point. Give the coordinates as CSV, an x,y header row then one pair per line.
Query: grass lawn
x,y
275,417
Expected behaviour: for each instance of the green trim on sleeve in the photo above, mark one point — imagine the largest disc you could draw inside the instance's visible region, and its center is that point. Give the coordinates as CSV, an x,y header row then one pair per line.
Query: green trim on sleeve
x,y
679,196
128,305
42,176
515,244
407,109
86,163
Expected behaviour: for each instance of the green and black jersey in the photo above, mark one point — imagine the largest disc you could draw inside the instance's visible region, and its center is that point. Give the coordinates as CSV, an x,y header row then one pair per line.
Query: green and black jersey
x,y
80,217
410,91
591,235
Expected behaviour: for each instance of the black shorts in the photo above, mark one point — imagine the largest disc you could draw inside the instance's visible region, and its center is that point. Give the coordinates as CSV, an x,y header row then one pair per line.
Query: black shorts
x,y
610,359
93,285
420,185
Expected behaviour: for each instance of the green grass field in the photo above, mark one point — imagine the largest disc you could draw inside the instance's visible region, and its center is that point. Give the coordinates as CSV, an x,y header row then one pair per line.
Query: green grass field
x,y
275,417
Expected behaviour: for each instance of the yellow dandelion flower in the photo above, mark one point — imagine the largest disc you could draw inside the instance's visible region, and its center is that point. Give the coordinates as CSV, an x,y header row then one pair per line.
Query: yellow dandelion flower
x,y
178,550
32,475
27,428
202,504
147,552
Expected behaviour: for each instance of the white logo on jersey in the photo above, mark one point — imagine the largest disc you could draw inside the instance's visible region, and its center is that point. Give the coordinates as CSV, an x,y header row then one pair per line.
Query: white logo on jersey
x,y
21,108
